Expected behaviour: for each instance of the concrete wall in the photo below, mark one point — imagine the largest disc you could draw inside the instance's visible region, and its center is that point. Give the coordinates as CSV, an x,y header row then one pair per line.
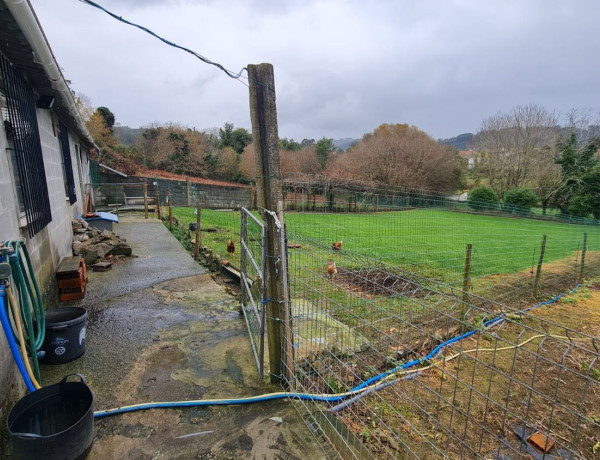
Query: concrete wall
x,y
49,246
183,193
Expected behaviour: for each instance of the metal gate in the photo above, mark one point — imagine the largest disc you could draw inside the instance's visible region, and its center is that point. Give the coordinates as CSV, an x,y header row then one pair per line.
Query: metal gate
x,y
253,263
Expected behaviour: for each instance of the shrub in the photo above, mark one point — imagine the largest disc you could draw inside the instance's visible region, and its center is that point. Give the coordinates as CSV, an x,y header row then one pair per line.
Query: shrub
x,y
581,205
524,198
481,198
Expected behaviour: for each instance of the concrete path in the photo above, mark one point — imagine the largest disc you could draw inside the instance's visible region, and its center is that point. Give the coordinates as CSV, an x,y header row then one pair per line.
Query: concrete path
x,y
161,329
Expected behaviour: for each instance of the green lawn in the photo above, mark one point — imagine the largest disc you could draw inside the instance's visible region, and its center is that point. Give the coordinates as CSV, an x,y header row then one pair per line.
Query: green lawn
x,y
433,242
430,242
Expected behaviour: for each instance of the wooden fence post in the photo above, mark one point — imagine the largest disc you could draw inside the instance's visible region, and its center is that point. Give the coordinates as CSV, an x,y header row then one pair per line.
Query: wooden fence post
x,y
157,203
145,200
170,210
263,114
538,272
583,251
198,220
466,282
190,195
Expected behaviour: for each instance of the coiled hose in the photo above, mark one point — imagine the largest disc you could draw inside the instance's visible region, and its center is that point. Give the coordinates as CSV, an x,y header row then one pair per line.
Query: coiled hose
x,y
32,309
11,342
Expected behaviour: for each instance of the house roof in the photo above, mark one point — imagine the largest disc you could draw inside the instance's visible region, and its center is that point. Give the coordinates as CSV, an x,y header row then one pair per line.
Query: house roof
x,y
158,174
25,56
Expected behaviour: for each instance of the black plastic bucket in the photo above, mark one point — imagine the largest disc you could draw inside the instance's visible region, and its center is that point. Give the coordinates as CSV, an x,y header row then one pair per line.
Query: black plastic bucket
x,y
65,335
55,422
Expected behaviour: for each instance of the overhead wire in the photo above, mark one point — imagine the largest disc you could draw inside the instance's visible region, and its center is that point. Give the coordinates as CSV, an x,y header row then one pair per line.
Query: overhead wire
x,y
204,59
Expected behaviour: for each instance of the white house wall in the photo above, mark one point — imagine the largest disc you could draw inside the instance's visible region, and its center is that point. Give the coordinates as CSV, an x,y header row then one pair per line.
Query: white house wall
x,y
10,382
50,245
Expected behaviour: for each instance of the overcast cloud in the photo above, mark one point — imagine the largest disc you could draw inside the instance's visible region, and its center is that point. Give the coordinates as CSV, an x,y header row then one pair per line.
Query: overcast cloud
x,y
341,67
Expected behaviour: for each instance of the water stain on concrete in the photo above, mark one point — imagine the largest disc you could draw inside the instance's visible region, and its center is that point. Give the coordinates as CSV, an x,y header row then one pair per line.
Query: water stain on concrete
x,y
177,339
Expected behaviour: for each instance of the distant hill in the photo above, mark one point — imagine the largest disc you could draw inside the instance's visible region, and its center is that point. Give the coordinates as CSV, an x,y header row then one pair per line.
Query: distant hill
x,y
344,143
460,142
126,135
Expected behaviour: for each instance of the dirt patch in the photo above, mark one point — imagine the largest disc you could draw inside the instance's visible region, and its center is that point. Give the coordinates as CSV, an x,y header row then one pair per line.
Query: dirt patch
x,y
375,281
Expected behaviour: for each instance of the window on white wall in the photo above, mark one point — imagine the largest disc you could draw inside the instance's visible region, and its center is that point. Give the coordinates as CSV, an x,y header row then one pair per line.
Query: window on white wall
x,y
10,149
22,130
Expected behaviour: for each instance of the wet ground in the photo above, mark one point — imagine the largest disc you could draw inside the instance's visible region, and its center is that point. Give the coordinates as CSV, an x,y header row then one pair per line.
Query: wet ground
x,y
161,329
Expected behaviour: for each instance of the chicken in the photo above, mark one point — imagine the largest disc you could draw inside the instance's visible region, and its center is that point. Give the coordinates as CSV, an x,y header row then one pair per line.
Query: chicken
x,y
331,269
337,246
231,247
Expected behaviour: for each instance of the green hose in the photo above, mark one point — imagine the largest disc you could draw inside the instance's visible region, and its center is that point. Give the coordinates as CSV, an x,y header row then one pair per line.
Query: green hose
x,y
30,299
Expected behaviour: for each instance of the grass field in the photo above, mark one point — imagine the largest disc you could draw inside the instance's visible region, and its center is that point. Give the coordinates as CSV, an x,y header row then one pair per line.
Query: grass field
x,y
429,242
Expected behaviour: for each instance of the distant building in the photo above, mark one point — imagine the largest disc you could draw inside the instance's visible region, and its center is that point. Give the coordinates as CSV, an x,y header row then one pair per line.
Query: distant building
x,y
44,160
471,156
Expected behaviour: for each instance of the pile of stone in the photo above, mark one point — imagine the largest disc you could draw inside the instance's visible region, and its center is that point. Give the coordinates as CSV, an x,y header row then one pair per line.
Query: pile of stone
x,y
96,245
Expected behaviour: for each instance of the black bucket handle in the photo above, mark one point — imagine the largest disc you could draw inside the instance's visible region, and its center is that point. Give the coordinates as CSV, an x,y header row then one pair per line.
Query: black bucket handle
x,y
81,379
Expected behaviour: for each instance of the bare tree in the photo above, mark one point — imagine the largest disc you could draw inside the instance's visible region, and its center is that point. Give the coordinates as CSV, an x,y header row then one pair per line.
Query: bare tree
x,y
399,155
517,147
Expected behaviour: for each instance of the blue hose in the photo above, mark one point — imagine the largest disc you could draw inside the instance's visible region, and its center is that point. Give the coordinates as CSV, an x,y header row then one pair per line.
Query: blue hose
x,y
220,402
436,350
11,342
321,398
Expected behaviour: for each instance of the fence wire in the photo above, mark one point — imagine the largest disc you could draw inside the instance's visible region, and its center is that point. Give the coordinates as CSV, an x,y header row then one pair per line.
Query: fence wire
x,y
429,234
384,315
252,283
514,374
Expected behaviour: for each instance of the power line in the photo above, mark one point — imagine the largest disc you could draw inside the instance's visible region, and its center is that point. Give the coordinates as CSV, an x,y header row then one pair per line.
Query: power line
x,y
229,73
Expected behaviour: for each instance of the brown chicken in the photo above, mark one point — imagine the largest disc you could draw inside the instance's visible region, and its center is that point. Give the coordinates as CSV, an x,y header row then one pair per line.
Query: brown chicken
x,y
231,247
331,269
337,246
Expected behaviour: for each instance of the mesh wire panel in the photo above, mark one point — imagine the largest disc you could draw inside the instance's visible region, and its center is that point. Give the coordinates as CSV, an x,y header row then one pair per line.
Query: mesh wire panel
x,y
252,283
440,376
429,235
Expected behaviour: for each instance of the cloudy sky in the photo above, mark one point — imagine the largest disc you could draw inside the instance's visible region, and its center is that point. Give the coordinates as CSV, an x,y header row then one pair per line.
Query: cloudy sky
x,y
342,67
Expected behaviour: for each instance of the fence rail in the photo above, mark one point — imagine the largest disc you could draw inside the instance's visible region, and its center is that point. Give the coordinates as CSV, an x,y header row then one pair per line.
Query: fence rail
x,y
252,282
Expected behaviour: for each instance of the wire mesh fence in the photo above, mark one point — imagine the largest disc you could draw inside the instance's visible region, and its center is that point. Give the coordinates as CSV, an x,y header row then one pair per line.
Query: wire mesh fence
x,y
422,313
252,282
433,235
432,375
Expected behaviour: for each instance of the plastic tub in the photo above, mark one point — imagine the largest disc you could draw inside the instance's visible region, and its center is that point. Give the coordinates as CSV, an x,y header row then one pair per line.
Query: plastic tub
x,y
65,335
54,423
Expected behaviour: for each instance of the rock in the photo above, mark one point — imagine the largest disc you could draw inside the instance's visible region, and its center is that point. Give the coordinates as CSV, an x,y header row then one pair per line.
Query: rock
x,y
107,234
81,237
94,245
78,247
88,255
121,249
102,249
